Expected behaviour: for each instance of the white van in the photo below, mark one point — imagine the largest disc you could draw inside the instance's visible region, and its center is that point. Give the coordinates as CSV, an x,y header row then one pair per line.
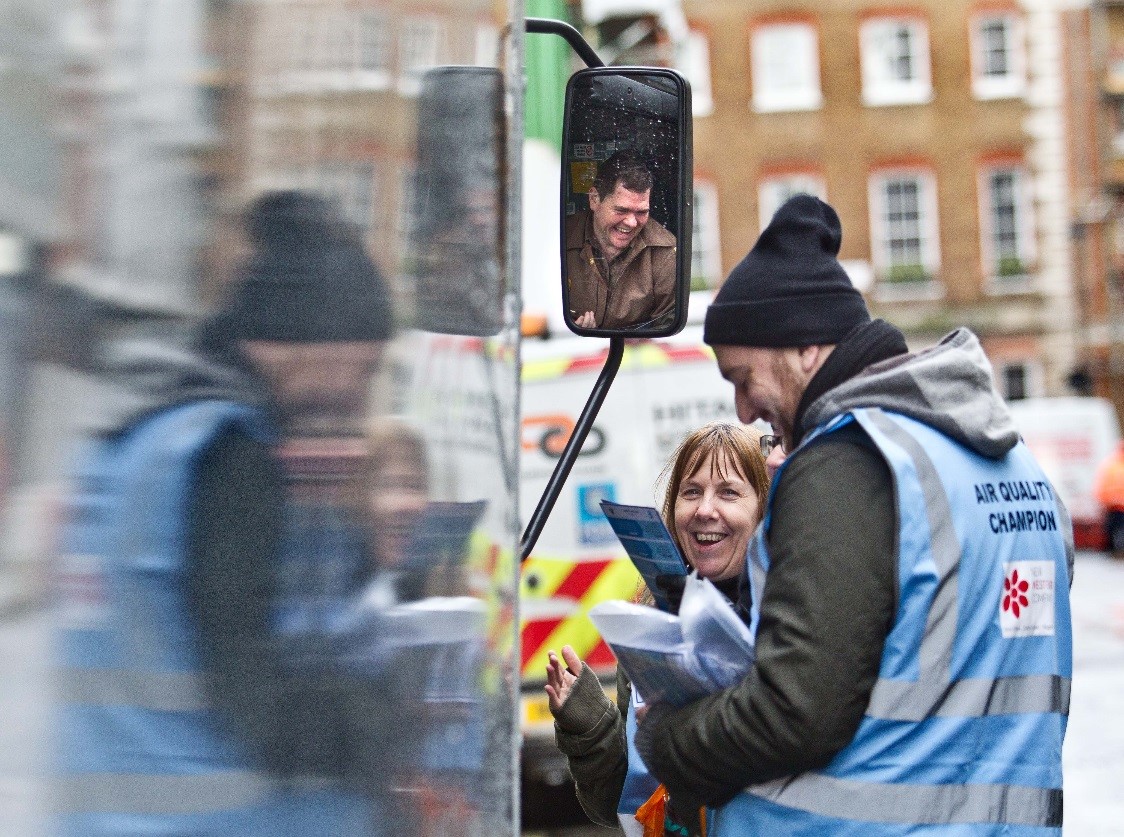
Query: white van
x,y
1071,437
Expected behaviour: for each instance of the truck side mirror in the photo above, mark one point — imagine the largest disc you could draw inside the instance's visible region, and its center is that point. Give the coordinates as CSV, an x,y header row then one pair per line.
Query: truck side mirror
x,y
626,193
456,214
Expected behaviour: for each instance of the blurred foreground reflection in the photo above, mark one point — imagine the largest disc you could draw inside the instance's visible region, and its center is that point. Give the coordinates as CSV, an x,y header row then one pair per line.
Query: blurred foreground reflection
x,y
256,451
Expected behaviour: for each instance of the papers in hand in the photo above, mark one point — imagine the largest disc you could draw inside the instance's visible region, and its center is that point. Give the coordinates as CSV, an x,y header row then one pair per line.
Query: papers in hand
x,y
645,538
434,621
678,659
372,635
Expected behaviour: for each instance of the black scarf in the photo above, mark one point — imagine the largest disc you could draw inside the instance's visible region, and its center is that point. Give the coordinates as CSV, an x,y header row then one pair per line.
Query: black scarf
x,y
864,344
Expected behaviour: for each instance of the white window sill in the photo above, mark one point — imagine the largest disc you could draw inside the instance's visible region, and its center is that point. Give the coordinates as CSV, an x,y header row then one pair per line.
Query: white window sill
x,y
1023,283
923,291
887,98
989,89
371,80
793,104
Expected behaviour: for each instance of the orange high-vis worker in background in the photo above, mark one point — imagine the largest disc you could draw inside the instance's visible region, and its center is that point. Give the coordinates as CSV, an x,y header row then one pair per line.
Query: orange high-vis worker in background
x,y
1109,489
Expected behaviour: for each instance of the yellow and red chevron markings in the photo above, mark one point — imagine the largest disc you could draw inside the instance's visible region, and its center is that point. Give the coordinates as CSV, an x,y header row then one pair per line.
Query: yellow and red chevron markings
x,y
556,595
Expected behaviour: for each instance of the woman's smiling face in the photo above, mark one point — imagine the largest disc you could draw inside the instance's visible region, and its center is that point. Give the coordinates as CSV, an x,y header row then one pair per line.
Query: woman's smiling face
x,y
716,513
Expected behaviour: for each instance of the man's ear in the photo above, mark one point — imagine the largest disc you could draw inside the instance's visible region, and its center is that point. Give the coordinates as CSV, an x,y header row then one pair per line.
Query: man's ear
x,y
594,199
813,357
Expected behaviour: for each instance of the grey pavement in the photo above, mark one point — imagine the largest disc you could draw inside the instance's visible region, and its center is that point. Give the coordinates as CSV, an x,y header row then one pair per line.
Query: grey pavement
x,y
1093,756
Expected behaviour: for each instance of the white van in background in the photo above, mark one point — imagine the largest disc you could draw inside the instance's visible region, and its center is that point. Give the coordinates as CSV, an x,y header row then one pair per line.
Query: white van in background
x,y
1070,438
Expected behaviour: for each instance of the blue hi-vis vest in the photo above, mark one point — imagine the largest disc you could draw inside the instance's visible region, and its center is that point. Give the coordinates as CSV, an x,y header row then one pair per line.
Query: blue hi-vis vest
x,y
639,784
963,733
141,751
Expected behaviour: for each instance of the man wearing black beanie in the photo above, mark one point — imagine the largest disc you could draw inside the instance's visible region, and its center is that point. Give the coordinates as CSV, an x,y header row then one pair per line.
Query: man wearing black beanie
x,y
893,662
220,484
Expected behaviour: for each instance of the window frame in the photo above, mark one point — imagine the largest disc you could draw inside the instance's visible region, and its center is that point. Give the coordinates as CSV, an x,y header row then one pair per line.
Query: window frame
x,y
693,60
374,76
1033,377
928,238
996,281
879,91
706,243
766,96
486,46
410,70
1011,84
775,188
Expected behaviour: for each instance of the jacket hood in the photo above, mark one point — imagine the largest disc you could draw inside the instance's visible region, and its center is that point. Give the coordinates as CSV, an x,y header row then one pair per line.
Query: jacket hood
x,y
948,387
157,367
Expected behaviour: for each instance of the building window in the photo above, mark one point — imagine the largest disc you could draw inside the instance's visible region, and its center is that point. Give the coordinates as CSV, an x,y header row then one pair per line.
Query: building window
x,y
299,46
1014,382
903,228
419,49
774,191
372,49
309,31
337,48
1007,234
270,51
895,61
786,67
706,254
487,46
694,62
350,187
998,56
1021,379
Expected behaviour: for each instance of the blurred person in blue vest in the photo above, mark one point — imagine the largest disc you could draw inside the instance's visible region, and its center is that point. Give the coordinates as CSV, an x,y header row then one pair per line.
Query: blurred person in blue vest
x,y
211,552
911,578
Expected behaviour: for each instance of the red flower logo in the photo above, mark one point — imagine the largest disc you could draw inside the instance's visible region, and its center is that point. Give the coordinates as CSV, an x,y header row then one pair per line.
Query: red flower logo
x,y
1014,590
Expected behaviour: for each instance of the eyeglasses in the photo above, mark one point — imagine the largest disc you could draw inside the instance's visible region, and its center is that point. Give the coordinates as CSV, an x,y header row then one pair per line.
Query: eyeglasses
x,y
769,442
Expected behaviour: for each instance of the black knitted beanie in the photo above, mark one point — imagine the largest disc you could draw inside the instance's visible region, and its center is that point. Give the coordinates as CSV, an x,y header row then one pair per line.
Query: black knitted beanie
x,y
790,290
309,278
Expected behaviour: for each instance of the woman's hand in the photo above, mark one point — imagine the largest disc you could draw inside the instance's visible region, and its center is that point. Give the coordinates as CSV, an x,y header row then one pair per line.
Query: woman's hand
x,y
560,679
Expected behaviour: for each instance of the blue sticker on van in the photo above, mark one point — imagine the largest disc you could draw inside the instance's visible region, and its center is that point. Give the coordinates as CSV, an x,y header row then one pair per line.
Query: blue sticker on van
x,y
593,528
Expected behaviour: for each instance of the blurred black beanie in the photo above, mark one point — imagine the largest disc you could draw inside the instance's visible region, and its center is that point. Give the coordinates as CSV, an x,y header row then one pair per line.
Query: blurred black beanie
x,y
790,290
309,278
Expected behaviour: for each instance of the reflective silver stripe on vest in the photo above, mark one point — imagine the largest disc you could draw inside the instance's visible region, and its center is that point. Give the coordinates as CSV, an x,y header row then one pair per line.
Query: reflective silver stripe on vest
x,y
139,793
161,692
933,693
915,804
901,700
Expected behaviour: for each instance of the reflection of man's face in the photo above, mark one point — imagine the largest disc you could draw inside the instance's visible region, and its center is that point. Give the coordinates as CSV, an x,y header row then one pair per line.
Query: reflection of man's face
x,y
618,218
320,389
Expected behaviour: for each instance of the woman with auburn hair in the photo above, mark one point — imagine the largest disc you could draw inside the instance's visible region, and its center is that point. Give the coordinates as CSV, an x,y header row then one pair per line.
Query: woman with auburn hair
x,y
716,491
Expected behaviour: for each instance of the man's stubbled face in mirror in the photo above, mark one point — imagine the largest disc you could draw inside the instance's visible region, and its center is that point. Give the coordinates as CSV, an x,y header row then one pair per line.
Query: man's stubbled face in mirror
x,y
618,218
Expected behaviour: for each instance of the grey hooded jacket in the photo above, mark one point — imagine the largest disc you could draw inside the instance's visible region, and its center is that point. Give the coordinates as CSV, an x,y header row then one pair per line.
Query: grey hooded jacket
x,y
830,598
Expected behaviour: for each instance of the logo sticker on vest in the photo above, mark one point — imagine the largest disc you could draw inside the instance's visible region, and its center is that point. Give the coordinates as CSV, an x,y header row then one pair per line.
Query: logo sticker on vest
x,y
1026,606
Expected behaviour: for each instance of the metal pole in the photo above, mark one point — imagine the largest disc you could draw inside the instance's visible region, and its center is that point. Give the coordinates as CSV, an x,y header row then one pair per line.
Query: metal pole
x,y
573,445
547,26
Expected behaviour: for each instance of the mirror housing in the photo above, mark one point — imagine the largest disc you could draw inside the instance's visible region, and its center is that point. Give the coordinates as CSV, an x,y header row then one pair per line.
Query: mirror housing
x,y
458,206
626,194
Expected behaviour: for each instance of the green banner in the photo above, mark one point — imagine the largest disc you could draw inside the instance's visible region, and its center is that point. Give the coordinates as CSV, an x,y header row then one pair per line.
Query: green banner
x,y
548,68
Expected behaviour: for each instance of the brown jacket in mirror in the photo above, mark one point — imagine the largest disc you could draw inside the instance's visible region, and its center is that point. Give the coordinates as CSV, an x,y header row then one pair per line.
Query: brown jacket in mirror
x,y
641,287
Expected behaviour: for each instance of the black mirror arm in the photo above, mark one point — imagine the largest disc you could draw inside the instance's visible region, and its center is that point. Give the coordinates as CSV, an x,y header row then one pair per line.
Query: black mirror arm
x,y
573,446
548,26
